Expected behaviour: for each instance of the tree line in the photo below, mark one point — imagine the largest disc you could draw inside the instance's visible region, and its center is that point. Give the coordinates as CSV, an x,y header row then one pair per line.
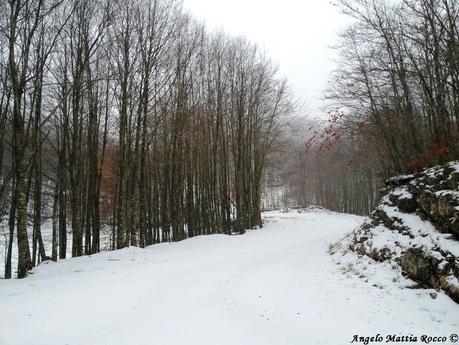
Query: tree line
x,y
399,79
317,163
128,115
393,103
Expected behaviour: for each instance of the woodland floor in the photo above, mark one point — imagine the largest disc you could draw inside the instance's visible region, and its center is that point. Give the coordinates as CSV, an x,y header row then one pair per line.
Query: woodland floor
x,y
277,286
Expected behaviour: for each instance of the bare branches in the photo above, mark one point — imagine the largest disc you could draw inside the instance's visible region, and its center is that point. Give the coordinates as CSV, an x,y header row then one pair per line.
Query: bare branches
x,y
399,74
128,114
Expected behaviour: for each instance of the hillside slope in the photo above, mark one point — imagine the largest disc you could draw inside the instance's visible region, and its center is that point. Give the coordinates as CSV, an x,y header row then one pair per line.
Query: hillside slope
x,y
415,229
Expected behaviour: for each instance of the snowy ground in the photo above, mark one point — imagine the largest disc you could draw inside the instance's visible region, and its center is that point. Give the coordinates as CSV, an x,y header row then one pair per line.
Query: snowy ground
x,y
47,235
272,286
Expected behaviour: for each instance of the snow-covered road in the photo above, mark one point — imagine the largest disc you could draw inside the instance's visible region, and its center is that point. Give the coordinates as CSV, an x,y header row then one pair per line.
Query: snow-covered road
x,y
272,286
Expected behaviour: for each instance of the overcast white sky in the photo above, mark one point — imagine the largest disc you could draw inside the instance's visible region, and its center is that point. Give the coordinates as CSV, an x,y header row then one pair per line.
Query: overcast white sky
x,y
296,34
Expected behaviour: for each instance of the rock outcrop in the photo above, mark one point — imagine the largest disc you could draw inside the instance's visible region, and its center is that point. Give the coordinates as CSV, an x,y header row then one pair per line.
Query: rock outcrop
x,y
416,227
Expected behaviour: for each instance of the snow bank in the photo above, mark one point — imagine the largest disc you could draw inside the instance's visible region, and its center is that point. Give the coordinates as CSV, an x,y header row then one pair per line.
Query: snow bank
x,y
414,230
